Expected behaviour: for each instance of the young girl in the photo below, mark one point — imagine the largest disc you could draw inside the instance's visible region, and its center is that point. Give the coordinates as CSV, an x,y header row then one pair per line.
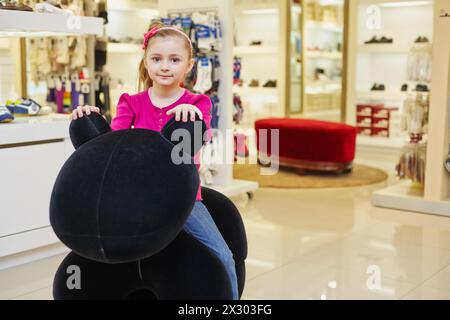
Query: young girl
x,y
167,60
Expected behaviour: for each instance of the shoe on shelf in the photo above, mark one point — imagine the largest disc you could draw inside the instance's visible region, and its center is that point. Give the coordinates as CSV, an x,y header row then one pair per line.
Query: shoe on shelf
x,y
5,115
422,40
256,43
14,5
404,87
377,87
386,40
270,84
23,107
254,83
422,88
373,40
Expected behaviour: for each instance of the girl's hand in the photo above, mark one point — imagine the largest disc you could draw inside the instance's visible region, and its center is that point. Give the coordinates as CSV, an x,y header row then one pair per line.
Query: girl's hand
x,y
78,112
185,111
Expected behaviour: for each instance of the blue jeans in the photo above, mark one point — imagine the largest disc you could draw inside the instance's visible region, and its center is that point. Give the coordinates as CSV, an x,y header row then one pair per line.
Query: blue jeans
x,y
201,226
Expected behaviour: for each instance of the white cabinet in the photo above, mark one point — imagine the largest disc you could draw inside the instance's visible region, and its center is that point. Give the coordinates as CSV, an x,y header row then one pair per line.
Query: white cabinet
x,y
32,152
28,175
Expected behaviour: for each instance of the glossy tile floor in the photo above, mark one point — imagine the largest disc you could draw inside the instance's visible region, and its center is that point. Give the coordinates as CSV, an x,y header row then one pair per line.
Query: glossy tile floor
x,y
315,244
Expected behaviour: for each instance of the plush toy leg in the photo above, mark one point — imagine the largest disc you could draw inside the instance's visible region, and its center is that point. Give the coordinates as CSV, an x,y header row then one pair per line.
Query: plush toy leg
x,y
78,278
186,270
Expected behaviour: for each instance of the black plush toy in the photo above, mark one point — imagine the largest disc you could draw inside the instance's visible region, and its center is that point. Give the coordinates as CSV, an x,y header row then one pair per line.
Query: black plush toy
x,y
120,203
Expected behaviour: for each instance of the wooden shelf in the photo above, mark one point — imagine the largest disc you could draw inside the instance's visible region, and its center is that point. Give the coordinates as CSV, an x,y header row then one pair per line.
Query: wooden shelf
x,y
381,95
388,48
32,24
324,55
319,83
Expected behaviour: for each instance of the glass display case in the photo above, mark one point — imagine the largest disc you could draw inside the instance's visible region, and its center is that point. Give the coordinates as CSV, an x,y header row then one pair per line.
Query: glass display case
x,y
295,58
316,59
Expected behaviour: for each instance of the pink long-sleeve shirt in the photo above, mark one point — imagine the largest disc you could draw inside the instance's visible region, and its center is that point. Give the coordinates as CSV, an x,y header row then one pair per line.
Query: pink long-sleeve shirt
x,y
138,111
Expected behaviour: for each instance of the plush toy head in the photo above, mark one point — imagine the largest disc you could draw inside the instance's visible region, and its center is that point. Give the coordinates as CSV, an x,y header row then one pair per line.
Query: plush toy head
x,y
120,197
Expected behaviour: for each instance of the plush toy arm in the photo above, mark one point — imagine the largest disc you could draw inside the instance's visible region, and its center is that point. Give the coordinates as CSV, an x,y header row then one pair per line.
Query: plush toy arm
x,y
193,130
86,128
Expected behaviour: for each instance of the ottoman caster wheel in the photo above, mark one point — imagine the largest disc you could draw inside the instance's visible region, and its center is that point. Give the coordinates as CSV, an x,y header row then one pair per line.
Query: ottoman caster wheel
x,y
250,195
349,170
300,172
265,165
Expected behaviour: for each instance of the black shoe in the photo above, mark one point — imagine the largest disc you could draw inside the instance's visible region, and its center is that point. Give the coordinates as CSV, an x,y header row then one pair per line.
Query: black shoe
x,y
255,43
270,84
373,40
377,87
422,88
404,87
422,40
386,40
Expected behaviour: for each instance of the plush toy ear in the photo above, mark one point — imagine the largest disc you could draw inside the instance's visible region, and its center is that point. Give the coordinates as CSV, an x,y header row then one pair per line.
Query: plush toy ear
x,y
86,128
190,132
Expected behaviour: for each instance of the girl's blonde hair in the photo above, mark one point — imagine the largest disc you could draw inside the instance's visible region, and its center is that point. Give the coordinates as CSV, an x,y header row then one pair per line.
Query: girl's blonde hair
x,y
144,79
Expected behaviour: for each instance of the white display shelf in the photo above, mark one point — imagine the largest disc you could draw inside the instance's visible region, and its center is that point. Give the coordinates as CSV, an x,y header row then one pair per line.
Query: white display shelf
x,y
125,48
236,187
327,26
404,196
259,50
324,55
381,95
36,128
29,24
391,143
388,48
255,91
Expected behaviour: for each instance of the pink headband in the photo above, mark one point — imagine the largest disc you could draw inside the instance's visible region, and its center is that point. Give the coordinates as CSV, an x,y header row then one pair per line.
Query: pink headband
x,y
155,30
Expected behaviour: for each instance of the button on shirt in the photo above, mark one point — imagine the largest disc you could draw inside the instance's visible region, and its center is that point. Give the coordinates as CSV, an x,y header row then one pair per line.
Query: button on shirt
x,y
139,111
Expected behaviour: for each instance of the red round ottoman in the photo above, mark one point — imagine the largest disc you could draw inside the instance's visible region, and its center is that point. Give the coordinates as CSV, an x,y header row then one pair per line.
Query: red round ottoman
x,y
309,144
